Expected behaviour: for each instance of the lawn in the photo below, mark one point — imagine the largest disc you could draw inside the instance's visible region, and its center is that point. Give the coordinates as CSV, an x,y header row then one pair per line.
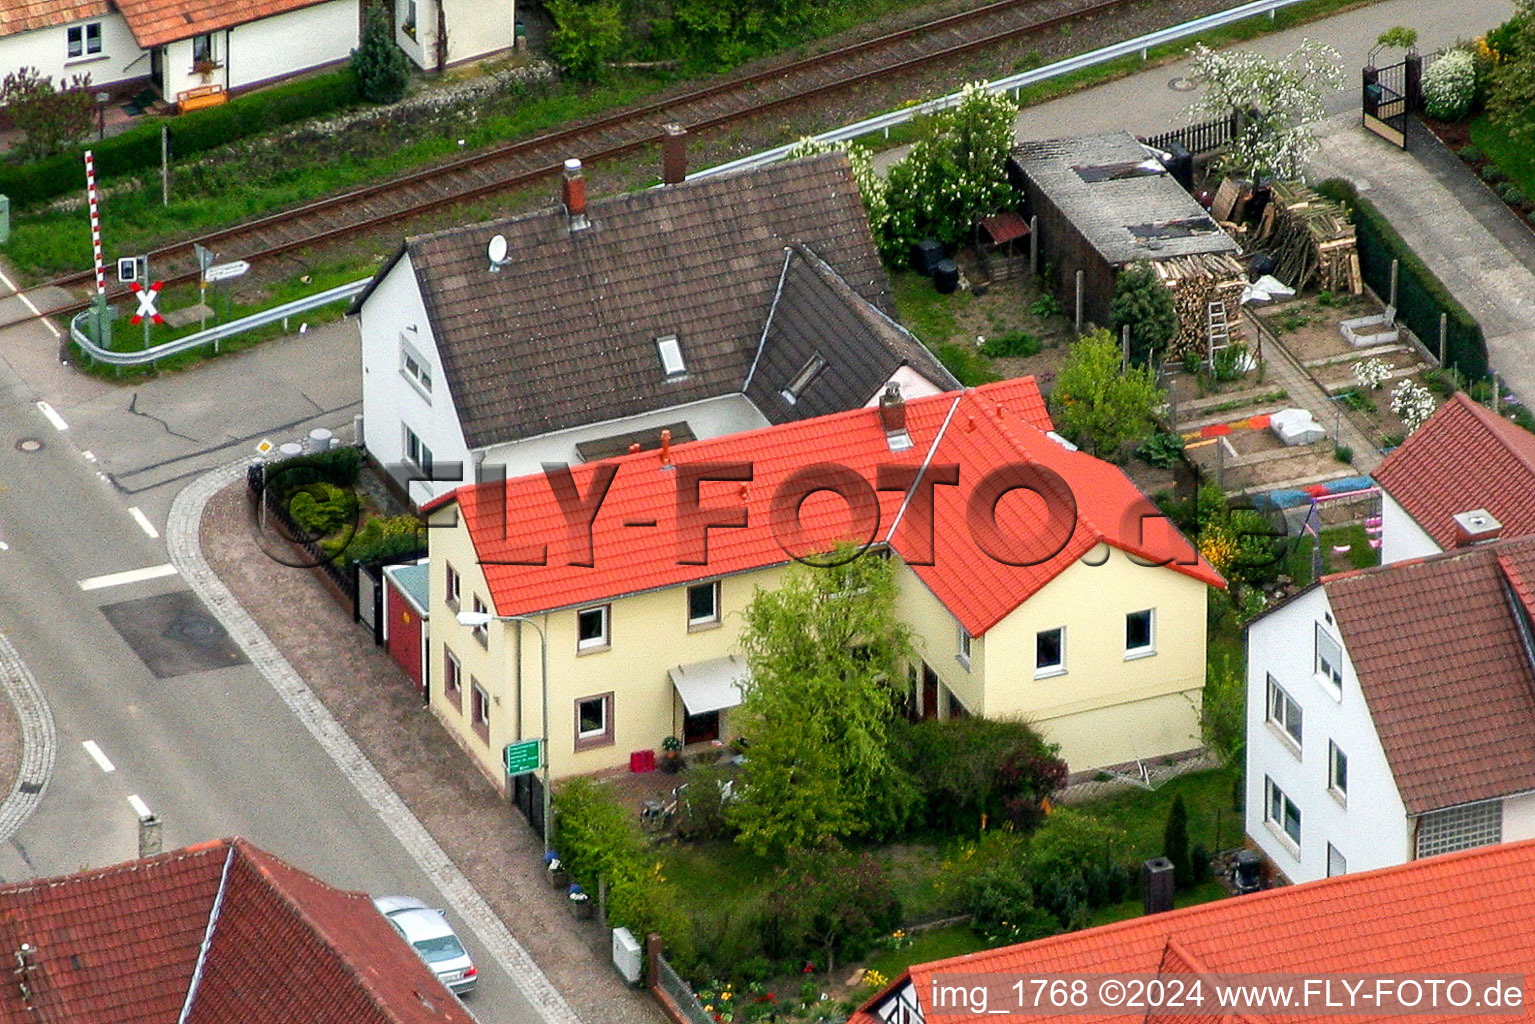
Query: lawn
x,y
1515,159
1360,555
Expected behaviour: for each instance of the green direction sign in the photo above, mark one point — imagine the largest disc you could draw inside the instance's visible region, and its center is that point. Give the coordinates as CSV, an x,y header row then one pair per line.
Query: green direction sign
x,y
523,757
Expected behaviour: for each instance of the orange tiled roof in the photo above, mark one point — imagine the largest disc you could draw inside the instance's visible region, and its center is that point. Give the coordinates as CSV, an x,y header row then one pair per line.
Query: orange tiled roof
x,y
26,15
1442,664
979,431
121,943
1465,457
1464,912
156,22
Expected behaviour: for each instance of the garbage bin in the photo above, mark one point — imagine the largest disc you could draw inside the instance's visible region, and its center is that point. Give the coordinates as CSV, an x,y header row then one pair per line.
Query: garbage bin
x,y
946,277
926,255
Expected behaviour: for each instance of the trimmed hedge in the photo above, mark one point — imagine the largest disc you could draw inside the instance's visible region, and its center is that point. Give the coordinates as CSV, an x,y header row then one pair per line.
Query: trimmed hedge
x,y
138,149
1421,297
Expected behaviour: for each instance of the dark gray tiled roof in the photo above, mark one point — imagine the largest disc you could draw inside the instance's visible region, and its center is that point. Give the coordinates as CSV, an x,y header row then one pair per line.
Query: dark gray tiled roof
x,y
565,334
1106,210
817,313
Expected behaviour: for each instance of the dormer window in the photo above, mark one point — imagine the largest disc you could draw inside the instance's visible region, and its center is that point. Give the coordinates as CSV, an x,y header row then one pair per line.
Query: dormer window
x,y
807,373
671,357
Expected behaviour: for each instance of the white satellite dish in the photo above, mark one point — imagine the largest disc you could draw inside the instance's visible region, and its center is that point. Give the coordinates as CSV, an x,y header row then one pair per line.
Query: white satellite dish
x,y
497,252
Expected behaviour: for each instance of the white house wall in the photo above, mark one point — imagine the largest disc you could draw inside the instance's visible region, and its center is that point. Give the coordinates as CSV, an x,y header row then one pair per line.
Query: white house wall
x,y
913,385
47,49
478,27
1519,817
285,44
1401,536
1369,827
389,400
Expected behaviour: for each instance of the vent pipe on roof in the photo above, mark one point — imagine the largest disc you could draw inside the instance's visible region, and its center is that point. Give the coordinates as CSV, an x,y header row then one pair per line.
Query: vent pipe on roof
x,y
666,448
892,416
573,191
1476,527
674,155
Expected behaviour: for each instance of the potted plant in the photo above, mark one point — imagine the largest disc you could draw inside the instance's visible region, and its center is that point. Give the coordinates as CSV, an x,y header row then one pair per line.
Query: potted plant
x,y
559,878
206,66
671,754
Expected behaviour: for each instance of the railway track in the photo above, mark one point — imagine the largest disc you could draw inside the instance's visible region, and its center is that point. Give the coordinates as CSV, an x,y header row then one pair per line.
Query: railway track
x,y
517,164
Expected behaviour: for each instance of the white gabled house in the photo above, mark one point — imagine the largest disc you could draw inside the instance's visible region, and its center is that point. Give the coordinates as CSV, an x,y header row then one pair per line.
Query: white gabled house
x,y
1465,458
438,33
1391,713
570,334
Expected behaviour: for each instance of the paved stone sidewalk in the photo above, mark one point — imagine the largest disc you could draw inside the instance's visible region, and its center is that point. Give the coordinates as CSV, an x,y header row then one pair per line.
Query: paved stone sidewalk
x,y
483,835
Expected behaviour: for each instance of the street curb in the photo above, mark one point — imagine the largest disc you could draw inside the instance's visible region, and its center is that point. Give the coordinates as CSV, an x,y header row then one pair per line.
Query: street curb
x,y
39,742
183,540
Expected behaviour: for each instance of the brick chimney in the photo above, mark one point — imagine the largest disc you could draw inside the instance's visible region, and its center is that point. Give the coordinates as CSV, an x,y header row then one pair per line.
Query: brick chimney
x,y
892,416
674,155
573,192
1476,527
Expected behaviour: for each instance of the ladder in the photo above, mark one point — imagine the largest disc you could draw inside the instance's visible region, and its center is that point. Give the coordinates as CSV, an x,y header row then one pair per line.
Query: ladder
x,y
1219,329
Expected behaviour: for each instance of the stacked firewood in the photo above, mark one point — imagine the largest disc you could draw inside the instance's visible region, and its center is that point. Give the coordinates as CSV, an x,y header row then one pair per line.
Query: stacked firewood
x,y
1310,239
1195,281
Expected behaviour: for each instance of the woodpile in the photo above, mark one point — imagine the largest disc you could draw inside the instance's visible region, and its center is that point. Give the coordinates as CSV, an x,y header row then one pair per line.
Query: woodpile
x,y
1310,239
1196,280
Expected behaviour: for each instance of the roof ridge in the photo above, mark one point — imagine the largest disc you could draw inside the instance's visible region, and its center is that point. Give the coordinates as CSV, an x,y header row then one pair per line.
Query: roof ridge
x,y
214,912
1505,428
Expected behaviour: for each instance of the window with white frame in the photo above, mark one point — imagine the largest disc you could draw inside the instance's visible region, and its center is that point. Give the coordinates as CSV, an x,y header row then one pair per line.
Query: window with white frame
x,y
594,721
1139,640
482,631
479,708
964,646
1337,770
85,40
1282,813
704,604
1050,652
1284,712
1337,864
592,629
454,587
203,49
415,368
1460,828
1329,657
417,451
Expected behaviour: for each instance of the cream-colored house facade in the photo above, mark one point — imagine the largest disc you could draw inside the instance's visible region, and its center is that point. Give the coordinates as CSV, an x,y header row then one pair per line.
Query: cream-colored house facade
x,y
1101,643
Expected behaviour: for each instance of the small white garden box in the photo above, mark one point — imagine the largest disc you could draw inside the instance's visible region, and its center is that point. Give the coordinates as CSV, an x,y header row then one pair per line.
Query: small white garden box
x,y
626,955
1296,426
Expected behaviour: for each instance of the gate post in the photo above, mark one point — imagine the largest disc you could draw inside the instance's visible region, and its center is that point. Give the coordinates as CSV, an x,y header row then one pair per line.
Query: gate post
x,y
1412,71
1371,91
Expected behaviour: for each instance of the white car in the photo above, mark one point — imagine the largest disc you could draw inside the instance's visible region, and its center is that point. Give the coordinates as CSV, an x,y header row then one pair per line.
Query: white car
x,y
430,935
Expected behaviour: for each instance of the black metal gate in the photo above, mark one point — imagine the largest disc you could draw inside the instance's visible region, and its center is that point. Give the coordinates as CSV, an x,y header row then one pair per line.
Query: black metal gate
x,y
528,795
1391,95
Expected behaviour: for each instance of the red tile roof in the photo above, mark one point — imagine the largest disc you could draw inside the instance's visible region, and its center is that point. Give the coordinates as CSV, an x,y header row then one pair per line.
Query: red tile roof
x,y
156,22
981,431
26,15
1465,457
121,944
1442,663
1460,913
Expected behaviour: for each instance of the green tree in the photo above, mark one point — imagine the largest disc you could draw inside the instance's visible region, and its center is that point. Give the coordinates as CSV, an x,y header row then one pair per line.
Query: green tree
x,y
954,175
834,900
1144,304
1175,843
817,711
51,118
381,67
587,35
1398,37
1511,95
1096,406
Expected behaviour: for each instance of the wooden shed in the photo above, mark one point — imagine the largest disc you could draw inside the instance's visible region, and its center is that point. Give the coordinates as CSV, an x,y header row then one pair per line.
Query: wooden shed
x,y
1104,202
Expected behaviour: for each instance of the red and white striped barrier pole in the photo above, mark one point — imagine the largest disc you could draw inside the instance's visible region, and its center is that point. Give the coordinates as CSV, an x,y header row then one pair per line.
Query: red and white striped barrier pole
x,y
90,192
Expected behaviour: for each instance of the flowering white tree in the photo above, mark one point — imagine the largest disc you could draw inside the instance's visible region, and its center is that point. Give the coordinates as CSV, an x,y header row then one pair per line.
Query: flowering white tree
x,y
1274,100
1372,373
1414,403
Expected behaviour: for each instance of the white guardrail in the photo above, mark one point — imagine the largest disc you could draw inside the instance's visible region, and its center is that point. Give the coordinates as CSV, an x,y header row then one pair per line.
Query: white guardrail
x,y
881,123
212,335
884,122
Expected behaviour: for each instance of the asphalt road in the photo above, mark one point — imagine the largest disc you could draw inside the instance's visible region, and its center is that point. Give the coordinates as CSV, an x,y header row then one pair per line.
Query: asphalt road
x,y
208,746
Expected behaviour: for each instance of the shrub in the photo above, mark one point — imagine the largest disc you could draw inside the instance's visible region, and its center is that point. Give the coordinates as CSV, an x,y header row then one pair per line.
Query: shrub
x,y
1002,911
383,538
1045,304
969,768
322,508
1513,195
832,903
587,35
1469,153
701,805
1163,451
1145,305
1175,842
381,67
1449,85
338,466
1013,343
1492,174
1343,453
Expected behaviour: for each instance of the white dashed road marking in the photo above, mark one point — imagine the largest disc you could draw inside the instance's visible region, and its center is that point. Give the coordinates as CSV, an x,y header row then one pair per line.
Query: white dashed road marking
x,y
52,416
26,300
139,807
117,579
144,523
102,761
